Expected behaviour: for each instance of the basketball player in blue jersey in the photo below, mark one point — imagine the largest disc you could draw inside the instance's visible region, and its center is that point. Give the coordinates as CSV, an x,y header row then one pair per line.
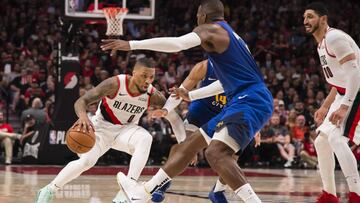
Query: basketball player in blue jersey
x,y
249,105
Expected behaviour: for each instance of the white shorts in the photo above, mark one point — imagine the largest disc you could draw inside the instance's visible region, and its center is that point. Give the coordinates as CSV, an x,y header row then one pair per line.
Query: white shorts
x,y
222,136
350,126
116,137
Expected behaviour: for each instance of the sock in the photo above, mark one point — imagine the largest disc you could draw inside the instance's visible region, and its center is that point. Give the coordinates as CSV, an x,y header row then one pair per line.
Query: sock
x,y
53,187
158,180
219,186
247,194
346,160
326,161
141,142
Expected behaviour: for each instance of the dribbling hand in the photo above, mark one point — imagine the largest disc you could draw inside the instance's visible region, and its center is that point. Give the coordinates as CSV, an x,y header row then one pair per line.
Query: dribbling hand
x,y
84,124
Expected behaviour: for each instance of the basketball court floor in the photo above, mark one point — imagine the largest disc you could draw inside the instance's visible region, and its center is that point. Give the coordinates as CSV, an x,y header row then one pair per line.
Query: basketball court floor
x,y
98,185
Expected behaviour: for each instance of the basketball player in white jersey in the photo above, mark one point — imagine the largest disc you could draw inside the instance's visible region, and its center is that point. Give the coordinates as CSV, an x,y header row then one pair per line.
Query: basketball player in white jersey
x,y
123,100
340,113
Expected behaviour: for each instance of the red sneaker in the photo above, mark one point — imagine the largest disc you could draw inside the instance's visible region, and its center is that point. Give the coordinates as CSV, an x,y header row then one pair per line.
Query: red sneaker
x,y
353,197
327,198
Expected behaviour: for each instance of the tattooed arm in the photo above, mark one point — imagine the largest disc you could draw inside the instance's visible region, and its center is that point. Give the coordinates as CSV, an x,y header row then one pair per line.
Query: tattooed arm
x,y
158,100
107,87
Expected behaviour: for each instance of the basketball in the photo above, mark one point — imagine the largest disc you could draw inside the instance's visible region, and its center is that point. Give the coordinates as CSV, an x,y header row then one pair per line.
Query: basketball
x,y
79,142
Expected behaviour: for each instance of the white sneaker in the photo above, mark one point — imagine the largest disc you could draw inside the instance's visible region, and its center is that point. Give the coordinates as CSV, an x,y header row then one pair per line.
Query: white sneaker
x,y
288,164
135,191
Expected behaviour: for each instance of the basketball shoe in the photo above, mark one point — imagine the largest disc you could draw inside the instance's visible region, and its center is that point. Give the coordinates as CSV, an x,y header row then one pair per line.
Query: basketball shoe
x,y
45,195
353,197
217,197
134,191
159,194
327,198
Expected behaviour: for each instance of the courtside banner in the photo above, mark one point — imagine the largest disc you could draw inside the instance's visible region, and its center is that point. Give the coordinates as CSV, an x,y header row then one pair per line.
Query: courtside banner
x,y
54,149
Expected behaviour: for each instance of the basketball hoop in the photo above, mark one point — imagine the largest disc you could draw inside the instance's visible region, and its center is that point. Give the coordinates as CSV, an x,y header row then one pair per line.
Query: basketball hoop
x,y
114,18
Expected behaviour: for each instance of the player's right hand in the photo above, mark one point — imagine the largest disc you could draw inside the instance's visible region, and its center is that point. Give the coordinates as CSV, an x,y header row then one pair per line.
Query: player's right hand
x,y
180,93
84,124
320,115
158,113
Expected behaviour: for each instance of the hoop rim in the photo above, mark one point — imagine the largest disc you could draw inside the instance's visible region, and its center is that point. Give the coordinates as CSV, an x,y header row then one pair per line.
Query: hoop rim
x,y
116,10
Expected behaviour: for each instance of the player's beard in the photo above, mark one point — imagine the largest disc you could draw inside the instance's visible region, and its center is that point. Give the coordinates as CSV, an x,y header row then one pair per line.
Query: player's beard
x,y
313,28
141,90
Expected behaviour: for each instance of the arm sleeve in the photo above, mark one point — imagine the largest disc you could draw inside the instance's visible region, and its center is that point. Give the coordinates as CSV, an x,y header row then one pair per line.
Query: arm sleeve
x,y
167,44
352,82
177,125
207,91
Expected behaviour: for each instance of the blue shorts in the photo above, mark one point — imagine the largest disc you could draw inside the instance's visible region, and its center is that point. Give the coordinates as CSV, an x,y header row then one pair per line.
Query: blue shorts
x,y
244,115
200,113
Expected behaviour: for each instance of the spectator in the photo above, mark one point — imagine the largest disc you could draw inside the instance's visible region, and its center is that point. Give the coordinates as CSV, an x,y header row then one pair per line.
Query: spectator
x,y
6,140
308,155
283,140
298,132
36,111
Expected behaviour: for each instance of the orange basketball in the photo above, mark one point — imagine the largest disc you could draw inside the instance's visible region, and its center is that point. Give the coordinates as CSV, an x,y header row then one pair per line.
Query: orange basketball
x,y
79,142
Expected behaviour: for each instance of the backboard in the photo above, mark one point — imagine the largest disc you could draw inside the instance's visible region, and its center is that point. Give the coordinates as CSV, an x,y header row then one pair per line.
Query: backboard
x,y
88,9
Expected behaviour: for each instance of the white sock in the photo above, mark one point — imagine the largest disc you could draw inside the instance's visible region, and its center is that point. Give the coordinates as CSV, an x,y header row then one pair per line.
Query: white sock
x,y
158,180
219,186
326,161
247,194
53,187
141,142
346,160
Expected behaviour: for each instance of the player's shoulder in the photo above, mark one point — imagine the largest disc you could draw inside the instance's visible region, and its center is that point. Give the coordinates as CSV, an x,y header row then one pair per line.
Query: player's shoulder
x,y
334,34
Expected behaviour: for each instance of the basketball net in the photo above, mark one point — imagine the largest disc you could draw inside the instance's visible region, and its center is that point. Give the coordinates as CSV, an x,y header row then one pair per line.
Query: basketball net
x,y
114,19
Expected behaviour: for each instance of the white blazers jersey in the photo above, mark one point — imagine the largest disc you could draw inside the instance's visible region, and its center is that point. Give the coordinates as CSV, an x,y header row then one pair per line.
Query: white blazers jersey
x,y
333,72
124,107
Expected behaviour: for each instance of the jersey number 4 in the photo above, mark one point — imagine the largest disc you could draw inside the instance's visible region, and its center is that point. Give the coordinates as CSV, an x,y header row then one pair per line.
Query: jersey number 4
x,y
328,72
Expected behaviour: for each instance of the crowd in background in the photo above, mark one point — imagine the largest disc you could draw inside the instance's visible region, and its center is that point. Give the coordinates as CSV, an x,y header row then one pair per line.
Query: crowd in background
x,y
29,32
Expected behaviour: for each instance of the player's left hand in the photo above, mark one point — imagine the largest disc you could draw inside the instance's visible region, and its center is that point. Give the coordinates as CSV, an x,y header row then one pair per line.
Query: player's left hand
x,y
114,45
257,139
180,92
337,117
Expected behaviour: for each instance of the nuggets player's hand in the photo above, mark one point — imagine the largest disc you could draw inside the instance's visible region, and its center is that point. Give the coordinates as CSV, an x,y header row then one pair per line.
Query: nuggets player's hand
x,y
257,139
114,45
158,113
337,117
320,115
84,124
180,93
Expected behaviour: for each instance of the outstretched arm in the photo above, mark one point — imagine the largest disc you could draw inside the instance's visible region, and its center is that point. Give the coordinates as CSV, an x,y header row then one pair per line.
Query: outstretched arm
x,y
161,44
197,73
157,99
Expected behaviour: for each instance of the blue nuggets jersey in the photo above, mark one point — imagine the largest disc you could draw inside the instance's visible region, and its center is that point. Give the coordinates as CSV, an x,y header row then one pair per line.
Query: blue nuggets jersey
x,y
249,102
235,68
201,111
